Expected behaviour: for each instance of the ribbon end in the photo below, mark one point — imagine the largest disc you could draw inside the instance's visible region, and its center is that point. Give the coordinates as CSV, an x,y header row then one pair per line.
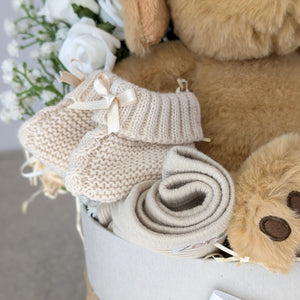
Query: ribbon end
x,y
25,207
68,78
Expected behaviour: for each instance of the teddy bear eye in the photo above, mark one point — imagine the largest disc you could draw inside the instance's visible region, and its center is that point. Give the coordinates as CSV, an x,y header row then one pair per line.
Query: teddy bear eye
x,y
293,201
277,229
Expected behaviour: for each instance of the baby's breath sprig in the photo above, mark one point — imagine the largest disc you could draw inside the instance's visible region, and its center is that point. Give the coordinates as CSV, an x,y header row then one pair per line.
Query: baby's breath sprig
x,y
47,34
38,83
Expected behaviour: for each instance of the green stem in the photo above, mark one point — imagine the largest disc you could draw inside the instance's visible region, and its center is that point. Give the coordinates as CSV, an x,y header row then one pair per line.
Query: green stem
x,y
30,35
25,76
28,110
58,61
42,23
45,69
29,44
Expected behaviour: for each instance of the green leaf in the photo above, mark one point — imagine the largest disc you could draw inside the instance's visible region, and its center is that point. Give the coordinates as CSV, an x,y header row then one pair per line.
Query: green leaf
x,y
81,12
107,27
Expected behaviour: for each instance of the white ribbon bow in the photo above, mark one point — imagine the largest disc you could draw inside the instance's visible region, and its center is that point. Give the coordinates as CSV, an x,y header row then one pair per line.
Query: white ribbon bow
x,y
109,102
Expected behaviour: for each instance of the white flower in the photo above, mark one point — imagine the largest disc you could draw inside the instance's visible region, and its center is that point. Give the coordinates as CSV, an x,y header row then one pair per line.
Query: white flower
x,y
5,116
35,54
49,47
111,11
11,108
43,36
25,25
59,10
28,102
8,78
16,112
57,45
7,70
10,27
62,33
62,9
18,3
13,48
8,65
9,99
47,96
16,86
48,63
92,46
36,73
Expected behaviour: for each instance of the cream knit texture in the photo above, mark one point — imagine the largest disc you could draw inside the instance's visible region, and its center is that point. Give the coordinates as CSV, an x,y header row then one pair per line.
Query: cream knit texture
x,y
184,213
104,167
54,132
104,213
164,118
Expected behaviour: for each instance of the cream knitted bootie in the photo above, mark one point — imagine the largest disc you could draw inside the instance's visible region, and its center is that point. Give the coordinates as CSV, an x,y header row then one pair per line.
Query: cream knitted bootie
x,y
54,132
136,129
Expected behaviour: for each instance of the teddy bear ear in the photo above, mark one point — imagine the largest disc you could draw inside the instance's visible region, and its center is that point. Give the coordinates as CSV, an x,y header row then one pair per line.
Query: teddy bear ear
x,y
145,23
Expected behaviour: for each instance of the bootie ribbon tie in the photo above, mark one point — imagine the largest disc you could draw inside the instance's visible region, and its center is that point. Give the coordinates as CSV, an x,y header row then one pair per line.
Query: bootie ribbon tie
x,y
76,76
109,102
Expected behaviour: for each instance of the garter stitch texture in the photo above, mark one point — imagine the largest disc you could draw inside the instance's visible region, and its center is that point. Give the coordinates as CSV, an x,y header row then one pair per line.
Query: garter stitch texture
x,y
54,132
104,167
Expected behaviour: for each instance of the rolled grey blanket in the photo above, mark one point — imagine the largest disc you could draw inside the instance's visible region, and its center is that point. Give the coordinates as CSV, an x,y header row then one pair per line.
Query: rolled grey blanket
x,y
183,214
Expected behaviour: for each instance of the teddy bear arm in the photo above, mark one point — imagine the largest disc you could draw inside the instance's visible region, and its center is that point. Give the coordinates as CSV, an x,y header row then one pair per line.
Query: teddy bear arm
x,y
160,68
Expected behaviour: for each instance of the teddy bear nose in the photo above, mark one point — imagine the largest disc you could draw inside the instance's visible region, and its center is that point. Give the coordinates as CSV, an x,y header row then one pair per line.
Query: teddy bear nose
x,y
277,229
293,201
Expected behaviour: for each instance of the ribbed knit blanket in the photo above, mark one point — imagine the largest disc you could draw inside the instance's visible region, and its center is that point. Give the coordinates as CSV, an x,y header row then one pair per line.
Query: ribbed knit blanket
x,y
183,214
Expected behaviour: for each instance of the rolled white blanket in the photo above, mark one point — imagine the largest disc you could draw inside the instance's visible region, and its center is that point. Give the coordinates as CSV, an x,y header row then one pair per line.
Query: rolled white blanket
x,y
183,214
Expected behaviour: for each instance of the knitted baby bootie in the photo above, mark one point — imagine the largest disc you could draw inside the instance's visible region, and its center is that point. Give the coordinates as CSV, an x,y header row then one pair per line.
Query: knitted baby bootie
x,y
136,129
54,132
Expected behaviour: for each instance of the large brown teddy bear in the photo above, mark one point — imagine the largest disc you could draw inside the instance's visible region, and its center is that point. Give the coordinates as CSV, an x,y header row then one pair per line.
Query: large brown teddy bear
x,y
240,59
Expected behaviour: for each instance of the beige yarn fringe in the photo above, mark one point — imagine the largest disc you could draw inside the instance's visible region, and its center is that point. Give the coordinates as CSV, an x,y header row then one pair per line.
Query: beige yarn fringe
x,y
52,184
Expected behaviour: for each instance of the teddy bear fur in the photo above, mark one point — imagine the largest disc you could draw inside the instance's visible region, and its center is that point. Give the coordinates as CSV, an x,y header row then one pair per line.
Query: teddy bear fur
x,y
240,60
244,104
262,185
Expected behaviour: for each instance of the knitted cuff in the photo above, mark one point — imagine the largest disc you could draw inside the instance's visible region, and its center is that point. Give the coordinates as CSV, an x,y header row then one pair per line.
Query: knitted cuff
x,y
164,118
